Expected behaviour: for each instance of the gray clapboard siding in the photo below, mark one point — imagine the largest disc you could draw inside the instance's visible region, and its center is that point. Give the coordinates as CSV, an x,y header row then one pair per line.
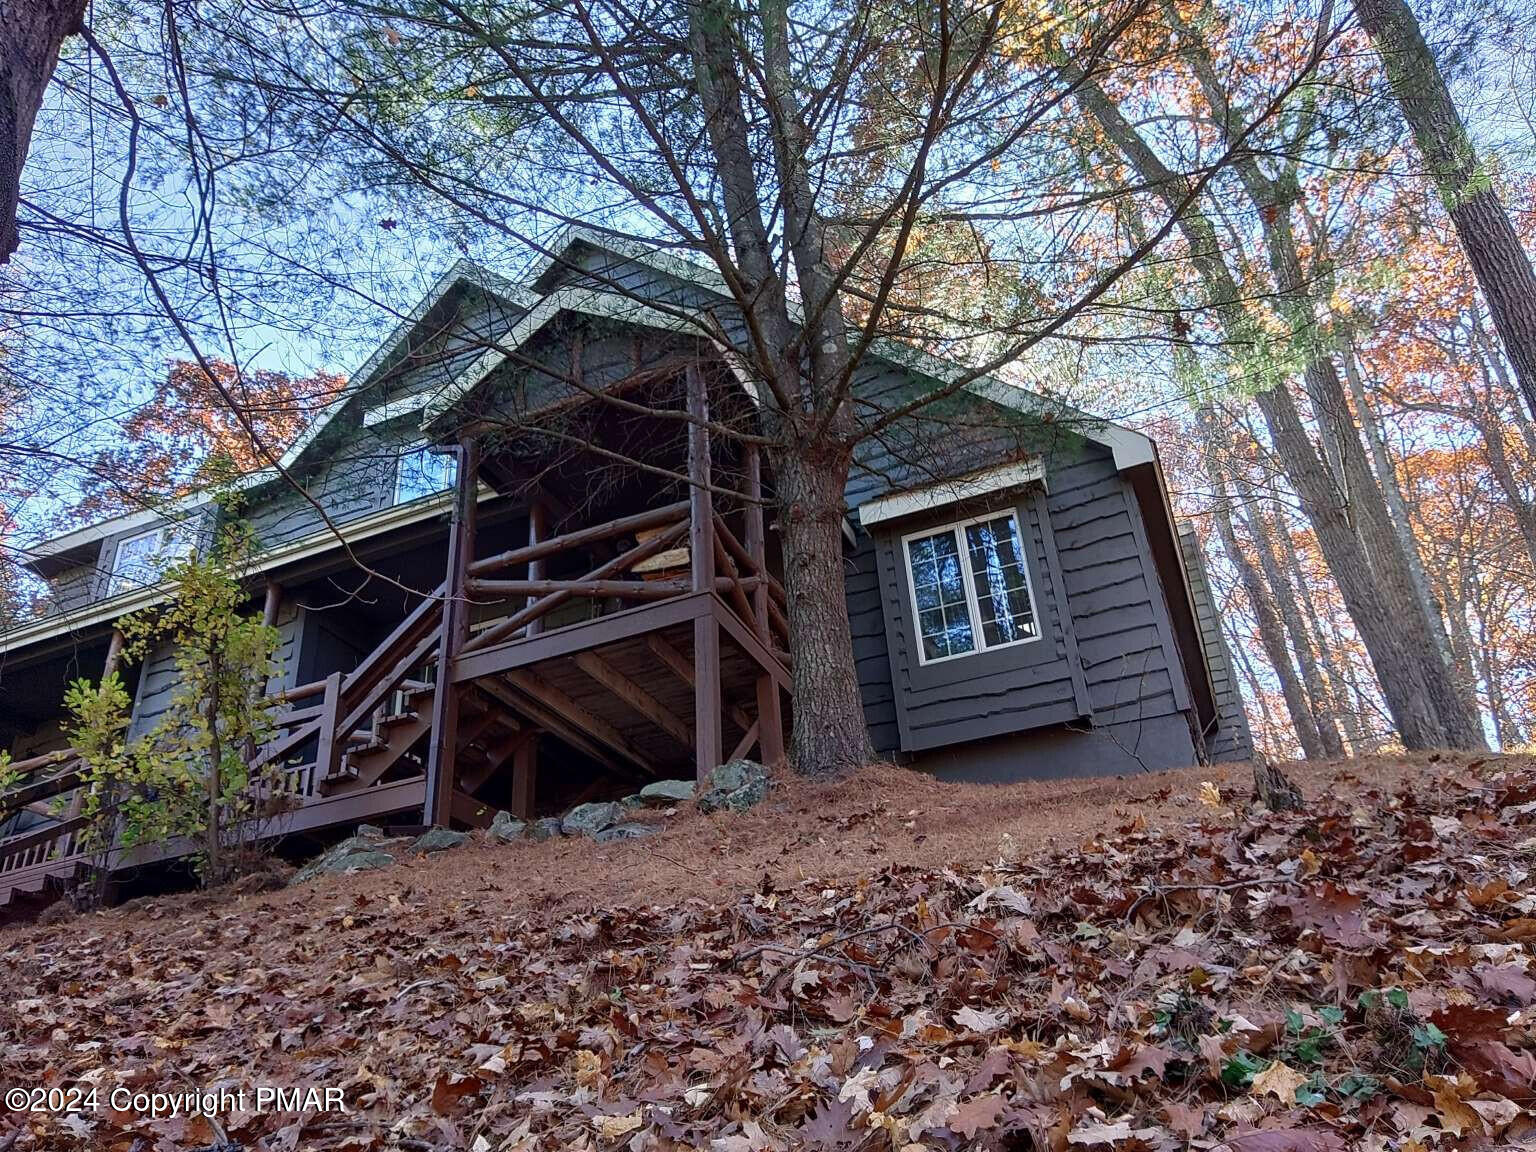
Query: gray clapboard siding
x,y
1232,740
75,587
1118,615
866,620
157,684
357,479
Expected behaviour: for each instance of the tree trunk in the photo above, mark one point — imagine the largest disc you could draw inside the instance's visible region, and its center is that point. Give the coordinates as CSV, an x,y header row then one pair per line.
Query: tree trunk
x,y
1275,789
1289,608
828,734
1493,249
1416,622
1271,631
1402,522
1342,705
213,837
1399,664
34,31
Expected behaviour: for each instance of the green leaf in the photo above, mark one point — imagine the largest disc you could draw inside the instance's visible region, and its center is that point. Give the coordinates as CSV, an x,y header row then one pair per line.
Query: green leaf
x,y
1241,1068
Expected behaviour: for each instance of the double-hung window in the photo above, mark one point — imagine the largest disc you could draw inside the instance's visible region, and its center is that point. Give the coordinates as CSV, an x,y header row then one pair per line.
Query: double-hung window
x,y
141,559
970,588
423,472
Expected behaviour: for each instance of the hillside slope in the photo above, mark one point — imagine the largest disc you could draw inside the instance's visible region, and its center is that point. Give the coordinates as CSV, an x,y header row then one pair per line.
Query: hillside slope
x,y
886,963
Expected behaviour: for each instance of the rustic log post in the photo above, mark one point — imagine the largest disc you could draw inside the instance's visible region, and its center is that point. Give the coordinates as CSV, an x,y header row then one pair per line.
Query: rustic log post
x,y
108,667
445,699
525,768
538,530
701,547
770,716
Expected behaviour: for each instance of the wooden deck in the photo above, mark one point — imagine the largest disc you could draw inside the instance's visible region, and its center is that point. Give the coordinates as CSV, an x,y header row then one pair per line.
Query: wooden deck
x,y
675,671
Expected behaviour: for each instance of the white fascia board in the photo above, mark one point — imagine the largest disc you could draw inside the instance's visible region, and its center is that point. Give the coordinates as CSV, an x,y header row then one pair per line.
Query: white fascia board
x,y
651,253
402,406
352,532
186,505
946,492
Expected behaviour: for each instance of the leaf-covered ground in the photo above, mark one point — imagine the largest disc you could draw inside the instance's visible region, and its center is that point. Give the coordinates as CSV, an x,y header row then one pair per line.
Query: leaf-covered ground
x,y
1360,975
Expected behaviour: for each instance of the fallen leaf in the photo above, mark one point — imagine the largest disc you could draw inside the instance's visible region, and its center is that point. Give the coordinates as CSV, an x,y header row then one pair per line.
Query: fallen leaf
x,y
1279,1080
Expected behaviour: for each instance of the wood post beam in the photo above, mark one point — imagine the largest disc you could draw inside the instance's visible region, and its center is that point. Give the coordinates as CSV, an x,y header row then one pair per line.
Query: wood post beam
x,y
538,533
577,715
525,768
622,589
678,663
633,695
551,721
744,745
438,809
701,540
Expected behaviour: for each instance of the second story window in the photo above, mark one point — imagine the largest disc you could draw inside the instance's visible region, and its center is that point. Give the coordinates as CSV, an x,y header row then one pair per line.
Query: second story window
x,y
141,559
423,472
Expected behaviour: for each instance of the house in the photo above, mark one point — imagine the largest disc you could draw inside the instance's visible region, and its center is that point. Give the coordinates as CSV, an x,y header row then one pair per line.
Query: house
x,y
498,588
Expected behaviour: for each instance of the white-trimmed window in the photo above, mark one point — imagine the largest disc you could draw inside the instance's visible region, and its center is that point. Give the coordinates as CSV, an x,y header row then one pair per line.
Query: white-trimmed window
x,y
141,559
970,588
423,472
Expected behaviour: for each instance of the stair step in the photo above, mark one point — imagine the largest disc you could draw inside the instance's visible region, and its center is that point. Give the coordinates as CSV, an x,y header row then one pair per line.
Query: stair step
x,y
396,718
346,770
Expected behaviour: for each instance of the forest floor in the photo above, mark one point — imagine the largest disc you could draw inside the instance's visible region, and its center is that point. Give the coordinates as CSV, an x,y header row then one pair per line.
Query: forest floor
x,y
882,962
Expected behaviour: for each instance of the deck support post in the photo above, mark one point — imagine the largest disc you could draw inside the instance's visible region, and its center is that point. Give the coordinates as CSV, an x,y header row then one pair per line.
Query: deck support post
x,y
707,736
770,716
525,770
108,667
272,604
445,699
538,532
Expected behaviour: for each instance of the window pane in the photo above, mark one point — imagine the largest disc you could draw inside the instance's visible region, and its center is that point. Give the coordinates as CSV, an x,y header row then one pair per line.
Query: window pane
x,y
141,560
133,566
1002,581
938,585
424,473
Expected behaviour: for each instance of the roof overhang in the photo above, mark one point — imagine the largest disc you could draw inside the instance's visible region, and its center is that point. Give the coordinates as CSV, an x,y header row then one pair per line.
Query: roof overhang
x,y
910,502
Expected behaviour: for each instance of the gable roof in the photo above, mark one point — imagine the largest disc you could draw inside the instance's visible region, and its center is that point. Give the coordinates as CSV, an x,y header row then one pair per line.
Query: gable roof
x,y
542,304
389,352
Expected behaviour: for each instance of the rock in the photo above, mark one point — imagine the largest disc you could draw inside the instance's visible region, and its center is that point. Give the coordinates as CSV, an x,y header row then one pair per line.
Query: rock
x,y
664,793
737,785
369,832
438,840
506,828
625,831
544,828
734,774
336,862
590,819
632,801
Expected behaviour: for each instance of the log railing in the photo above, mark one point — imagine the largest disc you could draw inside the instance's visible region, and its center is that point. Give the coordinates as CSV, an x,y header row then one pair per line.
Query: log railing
x,y
37,783
600,582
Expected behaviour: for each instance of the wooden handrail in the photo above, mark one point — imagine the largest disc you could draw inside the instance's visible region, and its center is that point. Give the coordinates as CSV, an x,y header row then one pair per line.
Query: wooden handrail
x,y
47,759
743,557
20,845
513,623
654,518
623,589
